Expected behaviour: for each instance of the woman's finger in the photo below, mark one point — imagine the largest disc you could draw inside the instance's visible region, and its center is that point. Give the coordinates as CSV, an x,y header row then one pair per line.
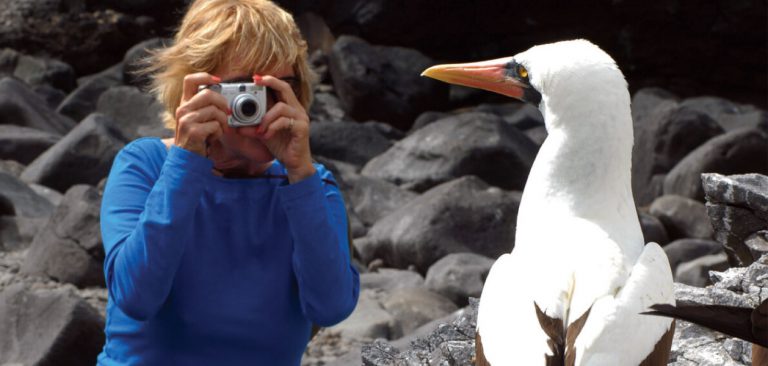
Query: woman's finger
x,y
284,91
283,123
202,115
277,110
192,82
202,99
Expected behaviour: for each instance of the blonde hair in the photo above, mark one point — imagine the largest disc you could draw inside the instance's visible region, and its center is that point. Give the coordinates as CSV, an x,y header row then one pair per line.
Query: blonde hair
x,y
254,34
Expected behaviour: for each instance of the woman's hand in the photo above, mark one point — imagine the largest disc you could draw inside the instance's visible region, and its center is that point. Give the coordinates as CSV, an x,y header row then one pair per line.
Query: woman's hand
x,y
200,116
284,129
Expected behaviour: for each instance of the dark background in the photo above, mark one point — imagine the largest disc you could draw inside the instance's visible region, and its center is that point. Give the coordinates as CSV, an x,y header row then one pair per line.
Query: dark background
x,y
688,47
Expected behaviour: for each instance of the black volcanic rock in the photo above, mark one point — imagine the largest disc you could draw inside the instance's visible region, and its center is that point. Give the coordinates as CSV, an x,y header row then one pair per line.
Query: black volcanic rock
x,y
347,141
17,232
450,344
82,101
653,229
736,152
21,106
48,327
738,208
89,40
38,71
52,96
686,250
24,144
427,118
459,276
383,83
664,135
682,217
136,114
69,249
731,116
372,199
135,60
18,199
689,48
326,107
464,215
83,156
480,144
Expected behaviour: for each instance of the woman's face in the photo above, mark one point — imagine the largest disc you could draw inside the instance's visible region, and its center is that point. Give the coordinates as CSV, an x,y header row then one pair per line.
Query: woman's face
x,y
236,150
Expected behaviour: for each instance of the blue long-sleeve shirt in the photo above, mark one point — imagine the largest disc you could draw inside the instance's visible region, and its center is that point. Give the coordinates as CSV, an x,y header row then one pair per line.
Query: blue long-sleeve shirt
x,y
204,270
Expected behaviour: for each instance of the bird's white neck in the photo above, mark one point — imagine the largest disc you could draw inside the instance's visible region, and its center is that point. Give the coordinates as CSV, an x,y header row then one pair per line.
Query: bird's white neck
x,y
583,168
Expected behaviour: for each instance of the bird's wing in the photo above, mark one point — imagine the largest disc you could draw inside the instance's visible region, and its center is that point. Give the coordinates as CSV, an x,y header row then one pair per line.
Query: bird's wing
x,y
615,319
508,329
551,270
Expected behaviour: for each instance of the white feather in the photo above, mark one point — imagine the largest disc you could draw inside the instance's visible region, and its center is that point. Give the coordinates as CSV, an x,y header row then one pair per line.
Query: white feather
x,y
578,243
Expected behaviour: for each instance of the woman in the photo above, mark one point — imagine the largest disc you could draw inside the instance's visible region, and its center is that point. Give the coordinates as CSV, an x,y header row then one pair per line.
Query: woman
x,y
224,245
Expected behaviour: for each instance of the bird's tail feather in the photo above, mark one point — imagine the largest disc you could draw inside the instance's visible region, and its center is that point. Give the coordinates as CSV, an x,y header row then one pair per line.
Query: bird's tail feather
x,y
731,320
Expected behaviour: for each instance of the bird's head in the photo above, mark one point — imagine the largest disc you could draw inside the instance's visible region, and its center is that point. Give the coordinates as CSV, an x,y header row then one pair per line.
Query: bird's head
x,y
542,72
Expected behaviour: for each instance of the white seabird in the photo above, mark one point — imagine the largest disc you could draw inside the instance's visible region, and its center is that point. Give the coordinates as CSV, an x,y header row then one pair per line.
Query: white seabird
x,y
579,253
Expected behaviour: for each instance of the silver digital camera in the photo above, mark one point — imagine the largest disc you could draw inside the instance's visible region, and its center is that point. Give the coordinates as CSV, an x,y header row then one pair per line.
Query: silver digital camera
x,y
247,101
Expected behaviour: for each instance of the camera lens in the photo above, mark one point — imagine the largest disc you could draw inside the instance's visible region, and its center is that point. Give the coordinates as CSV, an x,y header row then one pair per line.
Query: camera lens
x,y
248,108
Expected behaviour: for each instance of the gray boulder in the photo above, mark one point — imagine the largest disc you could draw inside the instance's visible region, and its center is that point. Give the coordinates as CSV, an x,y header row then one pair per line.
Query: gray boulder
x,y
645,100
82,101
522,116
369,320
48,327
84,34
17,232
389,279
736,152
11,167
83,156
326,107
70,249
24,144
347,141
50,95
686,250
448,344
136,114
135,59
316,32
744,287
427,118
18,199
738,208
696,272
38,70
682,217
414,307
390,132
480,144
19,105
663,137
653,229
731,116
464,215
383,83
459,276
537,134
372,199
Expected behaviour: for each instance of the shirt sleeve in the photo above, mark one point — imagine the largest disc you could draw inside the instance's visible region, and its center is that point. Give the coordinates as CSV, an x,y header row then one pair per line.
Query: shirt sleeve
x,y
328,284
145,217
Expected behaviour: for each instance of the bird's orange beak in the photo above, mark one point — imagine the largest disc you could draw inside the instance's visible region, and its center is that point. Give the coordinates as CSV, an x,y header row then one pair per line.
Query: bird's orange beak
x,y
491,75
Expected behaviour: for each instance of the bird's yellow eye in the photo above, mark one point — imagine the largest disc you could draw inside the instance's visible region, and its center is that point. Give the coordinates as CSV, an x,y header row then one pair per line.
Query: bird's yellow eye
x,y
522,71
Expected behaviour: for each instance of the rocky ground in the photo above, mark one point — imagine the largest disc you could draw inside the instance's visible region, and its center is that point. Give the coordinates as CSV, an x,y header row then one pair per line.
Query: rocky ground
x,y
431,174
